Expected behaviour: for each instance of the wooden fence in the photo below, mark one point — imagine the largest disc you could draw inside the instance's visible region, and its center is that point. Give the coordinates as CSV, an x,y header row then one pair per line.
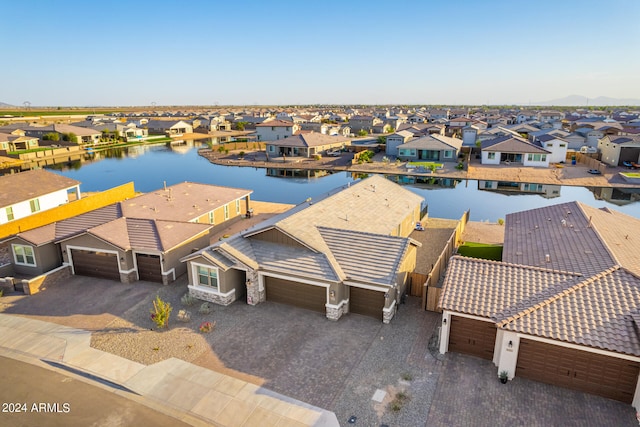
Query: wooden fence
x,y
588,160
431,286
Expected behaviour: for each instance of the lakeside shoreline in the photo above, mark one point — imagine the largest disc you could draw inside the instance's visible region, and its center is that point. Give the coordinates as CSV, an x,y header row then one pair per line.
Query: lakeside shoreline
x,y
567,175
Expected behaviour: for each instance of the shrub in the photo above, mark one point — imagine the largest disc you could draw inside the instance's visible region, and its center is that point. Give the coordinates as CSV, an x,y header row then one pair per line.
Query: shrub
x,y
206,327
460,166
407,376
241,154
161,312
1,292
205,308
184,316
188,299
500,221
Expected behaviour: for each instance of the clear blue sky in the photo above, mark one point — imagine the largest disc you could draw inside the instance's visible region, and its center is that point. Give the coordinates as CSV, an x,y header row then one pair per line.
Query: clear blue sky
x,y
122,53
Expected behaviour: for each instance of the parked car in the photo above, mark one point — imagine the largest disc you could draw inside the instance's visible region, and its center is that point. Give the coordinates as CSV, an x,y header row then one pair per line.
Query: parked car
x,y
594,172
334,153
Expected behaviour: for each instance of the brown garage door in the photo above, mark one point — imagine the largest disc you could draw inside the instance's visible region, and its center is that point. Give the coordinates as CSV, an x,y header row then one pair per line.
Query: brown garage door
x,y
366,301
149,268
598,374
95,264
297,294
473,337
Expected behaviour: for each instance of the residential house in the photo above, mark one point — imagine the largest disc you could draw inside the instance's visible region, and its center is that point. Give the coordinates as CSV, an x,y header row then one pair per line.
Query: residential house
x,y
526,116
168,127
394,140
25,193
548,191
619,149
435,148
560,308
470,135
347,252
305,145
16,141
363,123
513,149
556,146
142,238
83,136
274,130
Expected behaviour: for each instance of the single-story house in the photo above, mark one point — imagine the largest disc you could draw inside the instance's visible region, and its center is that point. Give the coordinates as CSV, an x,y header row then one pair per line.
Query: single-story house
x,y
142,238
618,149
25,193
513,149
563,305
348,252
13,142
434,147
167,127
305,145
84,136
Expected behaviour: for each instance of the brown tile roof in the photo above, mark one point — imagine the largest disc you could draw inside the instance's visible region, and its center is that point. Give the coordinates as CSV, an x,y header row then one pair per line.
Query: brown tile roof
x,y
484,288
594,302
276,123
28,185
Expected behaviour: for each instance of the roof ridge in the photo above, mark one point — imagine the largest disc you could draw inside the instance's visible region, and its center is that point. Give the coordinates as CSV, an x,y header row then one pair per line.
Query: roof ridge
x,y
598,233
524,266
556,296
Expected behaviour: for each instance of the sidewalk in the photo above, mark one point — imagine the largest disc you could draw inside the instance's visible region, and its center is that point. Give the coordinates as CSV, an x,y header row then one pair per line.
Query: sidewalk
x,y
193,394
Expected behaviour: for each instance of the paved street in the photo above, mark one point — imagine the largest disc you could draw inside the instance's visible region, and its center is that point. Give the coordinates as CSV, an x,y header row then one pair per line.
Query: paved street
x,y
78,403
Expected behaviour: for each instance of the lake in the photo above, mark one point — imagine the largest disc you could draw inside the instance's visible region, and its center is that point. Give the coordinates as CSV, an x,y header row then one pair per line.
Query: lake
x,y
150,166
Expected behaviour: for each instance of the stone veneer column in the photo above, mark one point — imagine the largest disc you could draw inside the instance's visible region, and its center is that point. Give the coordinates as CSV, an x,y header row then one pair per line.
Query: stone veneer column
x,y
128,277
254,295
334,313
388,315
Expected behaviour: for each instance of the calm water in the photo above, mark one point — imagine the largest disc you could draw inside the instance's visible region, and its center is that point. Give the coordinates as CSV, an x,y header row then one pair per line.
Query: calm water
x,y
150,166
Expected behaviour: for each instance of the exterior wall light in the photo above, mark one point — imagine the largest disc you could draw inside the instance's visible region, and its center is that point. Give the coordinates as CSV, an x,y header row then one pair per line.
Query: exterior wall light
x,y
510,345
444,320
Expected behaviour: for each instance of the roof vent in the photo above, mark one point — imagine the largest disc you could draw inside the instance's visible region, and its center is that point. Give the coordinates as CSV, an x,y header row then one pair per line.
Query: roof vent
x,y
547,258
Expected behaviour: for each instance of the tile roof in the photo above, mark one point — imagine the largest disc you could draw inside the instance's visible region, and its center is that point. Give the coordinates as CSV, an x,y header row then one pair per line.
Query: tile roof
x,y
587,292
349,224
433,142
310,139
511,144
18,187
276,123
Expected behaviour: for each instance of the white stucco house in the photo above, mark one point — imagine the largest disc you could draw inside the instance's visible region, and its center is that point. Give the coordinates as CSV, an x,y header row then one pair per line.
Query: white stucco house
x,y
274,130
511,149
556,146
619,149
26,193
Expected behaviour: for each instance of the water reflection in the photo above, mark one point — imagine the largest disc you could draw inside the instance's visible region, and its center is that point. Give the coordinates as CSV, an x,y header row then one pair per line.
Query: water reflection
x,y
547,191
297,173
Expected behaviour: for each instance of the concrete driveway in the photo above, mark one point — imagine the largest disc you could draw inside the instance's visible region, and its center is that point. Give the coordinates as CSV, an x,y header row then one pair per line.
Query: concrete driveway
x,y
356,367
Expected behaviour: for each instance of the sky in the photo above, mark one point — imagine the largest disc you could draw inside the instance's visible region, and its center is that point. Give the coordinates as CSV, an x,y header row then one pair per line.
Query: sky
x,y
141,53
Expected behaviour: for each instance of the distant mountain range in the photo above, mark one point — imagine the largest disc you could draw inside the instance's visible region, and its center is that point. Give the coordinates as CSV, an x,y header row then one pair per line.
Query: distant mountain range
x,y
583,101
2,104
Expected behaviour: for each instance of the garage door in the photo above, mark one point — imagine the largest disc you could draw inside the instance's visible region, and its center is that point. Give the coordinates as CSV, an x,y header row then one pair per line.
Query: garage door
x,y
297,294
598,374
95,264
149,267
473,337
366,301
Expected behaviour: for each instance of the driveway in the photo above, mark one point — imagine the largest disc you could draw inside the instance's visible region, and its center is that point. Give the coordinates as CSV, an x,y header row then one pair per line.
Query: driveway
x,y
357,367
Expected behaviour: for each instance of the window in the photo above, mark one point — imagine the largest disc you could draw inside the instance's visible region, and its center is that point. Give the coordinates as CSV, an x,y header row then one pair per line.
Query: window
x,y
543,158
226,212
24,255
550,144
35,205
488,184
272,148
448,154
208,277
238,206
10,215
491,156
211,218
562,145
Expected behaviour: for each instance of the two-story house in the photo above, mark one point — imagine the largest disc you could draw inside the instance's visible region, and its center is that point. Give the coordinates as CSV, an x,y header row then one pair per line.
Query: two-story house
x,y
274,130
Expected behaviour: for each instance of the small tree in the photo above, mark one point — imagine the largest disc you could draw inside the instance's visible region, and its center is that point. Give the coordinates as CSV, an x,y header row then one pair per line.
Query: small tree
x,y
362,132
52,136
161,312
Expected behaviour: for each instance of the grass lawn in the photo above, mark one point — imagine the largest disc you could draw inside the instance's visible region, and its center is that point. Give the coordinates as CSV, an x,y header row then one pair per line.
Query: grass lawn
x,y
481,250
31,150
425,165
631,174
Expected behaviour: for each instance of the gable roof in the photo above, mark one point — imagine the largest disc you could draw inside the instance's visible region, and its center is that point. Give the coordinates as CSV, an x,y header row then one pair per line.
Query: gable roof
x,y
310,139
275,123
19,187
511,144
586,292
433,142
